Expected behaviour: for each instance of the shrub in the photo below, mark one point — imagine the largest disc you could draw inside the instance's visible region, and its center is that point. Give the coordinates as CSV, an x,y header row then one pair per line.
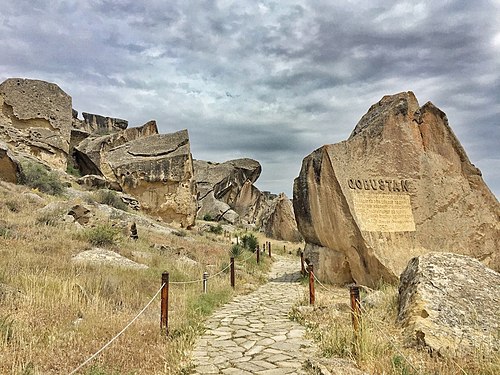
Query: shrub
x,y
70,169
236,250
110,198
101,235
208,217
249,241
215,229
36,176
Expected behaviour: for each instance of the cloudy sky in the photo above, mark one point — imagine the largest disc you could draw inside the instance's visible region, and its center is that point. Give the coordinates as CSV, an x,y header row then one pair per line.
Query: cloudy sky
x,y
269,80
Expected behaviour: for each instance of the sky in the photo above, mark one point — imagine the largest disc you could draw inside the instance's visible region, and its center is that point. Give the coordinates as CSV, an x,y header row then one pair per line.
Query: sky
x,y
268,80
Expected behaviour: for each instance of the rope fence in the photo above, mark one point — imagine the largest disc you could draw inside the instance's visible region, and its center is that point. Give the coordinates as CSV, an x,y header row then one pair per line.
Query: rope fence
x,y
164,302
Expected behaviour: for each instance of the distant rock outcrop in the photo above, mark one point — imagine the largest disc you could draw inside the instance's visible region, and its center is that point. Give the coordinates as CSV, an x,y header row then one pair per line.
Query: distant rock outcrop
x,y
35,119
399,187
220,186
279,222
97,124
449,304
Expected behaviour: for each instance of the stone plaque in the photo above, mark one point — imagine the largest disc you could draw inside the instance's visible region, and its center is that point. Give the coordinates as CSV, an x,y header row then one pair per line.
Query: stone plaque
x,y
384,212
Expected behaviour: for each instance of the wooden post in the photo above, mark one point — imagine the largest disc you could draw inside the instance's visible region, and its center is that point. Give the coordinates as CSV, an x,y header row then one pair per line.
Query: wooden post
x,y
205,280
164,302
302,268
312,296
257,250
269,248
355,314
232,272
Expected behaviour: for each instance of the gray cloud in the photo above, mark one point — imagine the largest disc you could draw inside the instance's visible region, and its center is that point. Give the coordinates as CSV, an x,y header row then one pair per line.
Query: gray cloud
x,y
268,80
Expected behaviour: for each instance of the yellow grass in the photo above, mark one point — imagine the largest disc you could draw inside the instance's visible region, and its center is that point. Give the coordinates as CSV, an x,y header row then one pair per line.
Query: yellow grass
x,y
63,312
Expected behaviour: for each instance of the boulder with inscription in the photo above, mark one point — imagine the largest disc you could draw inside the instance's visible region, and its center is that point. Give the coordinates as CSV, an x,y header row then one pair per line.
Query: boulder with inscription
x,y
449,304
400,186
279,222
36,119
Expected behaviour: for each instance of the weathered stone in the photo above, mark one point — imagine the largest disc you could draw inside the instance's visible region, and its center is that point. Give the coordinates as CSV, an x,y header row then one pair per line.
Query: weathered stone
x,y
399,187
91,153
450,304
102,125
98,182
9,165
36,118
158,171
216,210
80,213
98,256
279,222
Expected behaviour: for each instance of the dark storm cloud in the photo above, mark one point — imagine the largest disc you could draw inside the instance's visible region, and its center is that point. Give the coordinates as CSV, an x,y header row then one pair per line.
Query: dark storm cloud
x,y
268,80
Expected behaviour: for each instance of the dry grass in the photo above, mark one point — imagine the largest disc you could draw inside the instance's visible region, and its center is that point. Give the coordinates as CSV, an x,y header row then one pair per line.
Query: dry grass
x,y
380,348
64,312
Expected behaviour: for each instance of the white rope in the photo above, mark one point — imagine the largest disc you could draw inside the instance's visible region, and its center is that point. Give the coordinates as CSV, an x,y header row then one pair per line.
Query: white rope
x,y
119,333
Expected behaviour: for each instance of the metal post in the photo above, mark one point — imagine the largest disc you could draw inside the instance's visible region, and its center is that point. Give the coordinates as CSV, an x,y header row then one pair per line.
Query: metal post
x,y
164,302
205,280
302,268
257,250
232,272
311,284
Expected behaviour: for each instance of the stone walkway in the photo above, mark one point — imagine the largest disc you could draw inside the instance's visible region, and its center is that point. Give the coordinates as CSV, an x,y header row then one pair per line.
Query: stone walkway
x,y
253,334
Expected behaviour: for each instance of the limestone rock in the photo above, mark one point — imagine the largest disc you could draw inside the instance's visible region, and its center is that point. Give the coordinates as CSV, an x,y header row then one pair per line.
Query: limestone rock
x,y
36,118
399,187
279,222
158,171
450,304
80,213
98,182
219,187
91,153
100,124
9,165
98,257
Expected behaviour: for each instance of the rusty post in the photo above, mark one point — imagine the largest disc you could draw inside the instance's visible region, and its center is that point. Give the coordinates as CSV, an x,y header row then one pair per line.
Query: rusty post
x,y
312,295
257,250
355,313
232,272
302,268
205,281
269,248
164,302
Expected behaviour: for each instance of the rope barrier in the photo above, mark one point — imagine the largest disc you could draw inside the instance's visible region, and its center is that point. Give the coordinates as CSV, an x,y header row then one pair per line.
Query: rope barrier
x,y
118,334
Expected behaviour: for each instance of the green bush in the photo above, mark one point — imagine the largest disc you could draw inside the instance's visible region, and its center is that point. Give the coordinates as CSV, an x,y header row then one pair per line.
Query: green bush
x,y
70,169
101,235
110,198
36,176
249,241
208,217
236,250
215,229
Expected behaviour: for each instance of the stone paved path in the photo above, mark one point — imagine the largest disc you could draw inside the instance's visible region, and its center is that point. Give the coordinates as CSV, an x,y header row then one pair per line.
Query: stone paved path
x,y
253,334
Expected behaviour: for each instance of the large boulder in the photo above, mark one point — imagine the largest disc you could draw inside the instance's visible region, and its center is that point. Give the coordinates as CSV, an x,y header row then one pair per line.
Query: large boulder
x,y
91,153
158,171
222,183
399,187
450,303
97,124
279,222
35,119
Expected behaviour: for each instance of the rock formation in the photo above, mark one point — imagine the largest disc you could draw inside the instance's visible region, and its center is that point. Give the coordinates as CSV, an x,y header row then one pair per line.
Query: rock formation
x,y
157,169
97,124
279,222
220,185
9,165
35,118
400,186
449,304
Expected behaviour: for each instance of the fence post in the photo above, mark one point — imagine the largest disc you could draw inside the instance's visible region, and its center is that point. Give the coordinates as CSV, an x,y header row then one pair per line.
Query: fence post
x,y
269,248
232,272
355,314
205,280
257,250
302,268
164,302
312,296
